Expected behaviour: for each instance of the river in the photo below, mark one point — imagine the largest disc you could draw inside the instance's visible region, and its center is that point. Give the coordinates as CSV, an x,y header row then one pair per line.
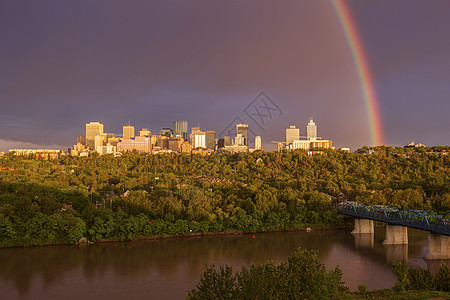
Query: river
x,y
168,268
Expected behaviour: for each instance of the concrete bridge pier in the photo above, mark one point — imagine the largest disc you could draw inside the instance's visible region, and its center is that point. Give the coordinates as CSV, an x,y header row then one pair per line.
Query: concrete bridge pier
x,y
363,226
438,246
396,235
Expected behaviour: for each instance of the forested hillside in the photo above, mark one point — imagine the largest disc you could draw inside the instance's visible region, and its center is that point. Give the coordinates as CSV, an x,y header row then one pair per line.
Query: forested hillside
x,y
105,197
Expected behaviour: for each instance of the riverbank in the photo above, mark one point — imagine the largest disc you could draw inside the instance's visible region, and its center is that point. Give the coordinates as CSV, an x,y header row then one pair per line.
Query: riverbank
x,y
310,228
163,230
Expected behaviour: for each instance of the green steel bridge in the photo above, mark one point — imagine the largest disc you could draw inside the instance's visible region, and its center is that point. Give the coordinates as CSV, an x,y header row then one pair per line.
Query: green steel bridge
x,y
413,218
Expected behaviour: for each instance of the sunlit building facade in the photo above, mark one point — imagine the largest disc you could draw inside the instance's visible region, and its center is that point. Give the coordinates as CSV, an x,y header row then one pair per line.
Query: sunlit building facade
x,y
186,147
93,129
292,133
175,144
243,129
198,138
180,129
310,144
99,141
144,132
107,149
227,140
258,145
128,132
211,139
140,143
311,130
38,154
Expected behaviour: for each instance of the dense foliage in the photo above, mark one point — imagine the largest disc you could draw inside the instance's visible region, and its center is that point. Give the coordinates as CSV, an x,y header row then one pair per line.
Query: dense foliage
x,y
105,197
302,276
421,279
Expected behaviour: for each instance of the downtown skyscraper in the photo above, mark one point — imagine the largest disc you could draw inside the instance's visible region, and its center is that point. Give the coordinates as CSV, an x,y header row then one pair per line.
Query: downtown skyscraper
x,y
311,130
93,129
180,129
128,132
242,129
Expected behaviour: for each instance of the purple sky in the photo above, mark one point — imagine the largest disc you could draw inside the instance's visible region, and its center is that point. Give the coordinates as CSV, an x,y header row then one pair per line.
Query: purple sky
x,y
65,63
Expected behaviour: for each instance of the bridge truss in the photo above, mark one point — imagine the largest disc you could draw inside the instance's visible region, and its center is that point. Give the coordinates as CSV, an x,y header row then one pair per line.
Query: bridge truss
x,y
419,219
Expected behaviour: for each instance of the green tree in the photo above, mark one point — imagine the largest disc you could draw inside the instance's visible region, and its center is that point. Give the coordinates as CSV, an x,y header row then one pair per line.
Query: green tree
x,y
420,279
401,271
302,276
442,278
215,284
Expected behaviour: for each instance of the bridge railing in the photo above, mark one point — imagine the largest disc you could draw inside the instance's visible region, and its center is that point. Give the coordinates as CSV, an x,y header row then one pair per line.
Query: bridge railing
x,y
419,219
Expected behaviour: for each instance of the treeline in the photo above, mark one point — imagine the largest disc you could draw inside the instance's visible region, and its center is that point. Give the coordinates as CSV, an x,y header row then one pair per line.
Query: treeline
x,y
105,197
25,220
421,279
303,276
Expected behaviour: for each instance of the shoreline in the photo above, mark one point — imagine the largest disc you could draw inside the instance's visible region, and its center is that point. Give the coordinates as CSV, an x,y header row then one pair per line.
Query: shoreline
x,y
212,234
310,228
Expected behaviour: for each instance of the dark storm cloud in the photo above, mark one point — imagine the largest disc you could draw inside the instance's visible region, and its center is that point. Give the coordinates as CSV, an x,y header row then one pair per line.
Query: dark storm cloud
x,y
153,62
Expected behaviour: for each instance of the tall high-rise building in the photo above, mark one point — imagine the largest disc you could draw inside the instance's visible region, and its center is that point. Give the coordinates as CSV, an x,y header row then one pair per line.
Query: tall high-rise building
x,y
258,143
99,141
242,129
292,134
93,129
180,129
211,139
227,140
199,140
128,132
311,130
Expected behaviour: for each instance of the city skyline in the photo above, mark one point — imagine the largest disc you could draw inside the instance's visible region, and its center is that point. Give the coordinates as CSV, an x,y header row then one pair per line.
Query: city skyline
x,y
168,140
127,130
63,66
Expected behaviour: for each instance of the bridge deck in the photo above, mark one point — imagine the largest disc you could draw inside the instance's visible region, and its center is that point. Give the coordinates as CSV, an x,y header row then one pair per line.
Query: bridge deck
x,y
418,219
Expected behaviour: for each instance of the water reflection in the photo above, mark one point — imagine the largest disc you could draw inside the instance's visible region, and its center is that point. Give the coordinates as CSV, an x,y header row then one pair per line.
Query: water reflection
x,y
167,269
396,253
363,240
434,264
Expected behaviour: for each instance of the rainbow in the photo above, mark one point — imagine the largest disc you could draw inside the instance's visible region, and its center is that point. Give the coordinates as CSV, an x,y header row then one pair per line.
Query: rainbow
x,y
362,68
